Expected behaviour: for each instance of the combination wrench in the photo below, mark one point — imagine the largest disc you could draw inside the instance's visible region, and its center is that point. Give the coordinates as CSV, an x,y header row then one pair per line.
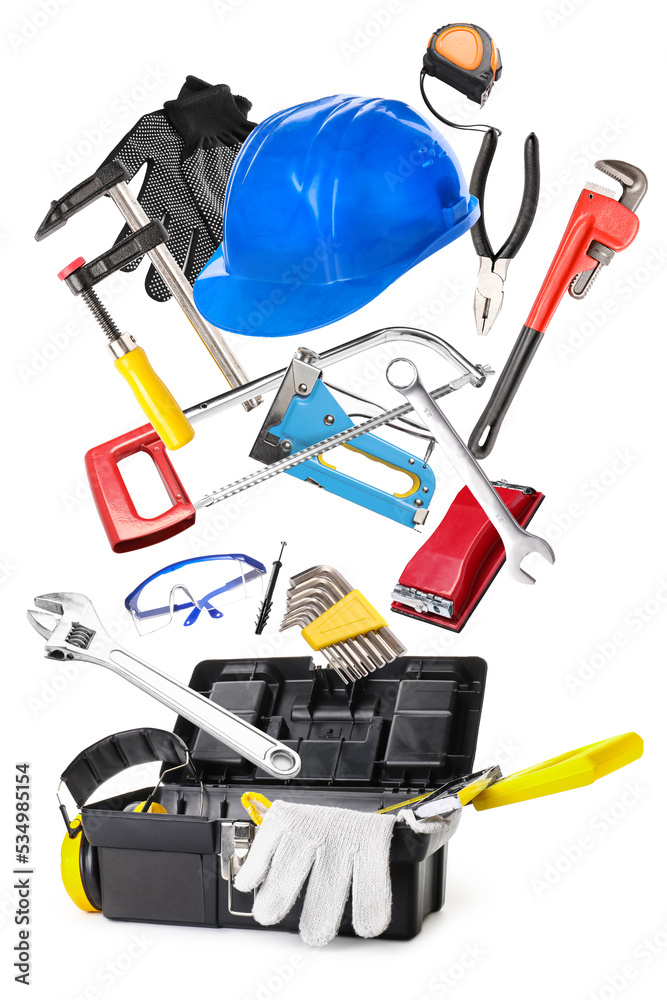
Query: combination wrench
x,y
402,374
72,630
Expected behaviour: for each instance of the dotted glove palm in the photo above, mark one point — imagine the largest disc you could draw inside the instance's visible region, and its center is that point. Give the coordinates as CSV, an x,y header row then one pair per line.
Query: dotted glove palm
x,y
188,150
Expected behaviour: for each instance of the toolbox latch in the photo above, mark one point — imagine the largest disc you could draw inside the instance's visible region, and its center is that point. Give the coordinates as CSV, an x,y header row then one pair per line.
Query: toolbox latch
x,y
236,837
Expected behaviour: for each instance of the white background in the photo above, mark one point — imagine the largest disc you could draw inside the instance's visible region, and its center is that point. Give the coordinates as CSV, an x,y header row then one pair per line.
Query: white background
x,y
527,911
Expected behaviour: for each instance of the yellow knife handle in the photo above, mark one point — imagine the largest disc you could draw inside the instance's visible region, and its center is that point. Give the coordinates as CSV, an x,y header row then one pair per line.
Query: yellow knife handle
x,y
570,770
154,398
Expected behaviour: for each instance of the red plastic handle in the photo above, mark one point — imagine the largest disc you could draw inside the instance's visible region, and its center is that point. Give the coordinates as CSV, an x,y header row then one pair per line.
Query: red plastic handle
x,y
125,529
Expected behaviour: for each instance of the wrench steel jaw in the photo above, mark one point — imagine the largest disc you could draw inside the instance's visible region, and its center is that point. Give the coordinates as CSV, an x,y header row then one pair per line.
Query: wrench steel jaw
x,y
524,544
631,178
634,183
402,374
70,625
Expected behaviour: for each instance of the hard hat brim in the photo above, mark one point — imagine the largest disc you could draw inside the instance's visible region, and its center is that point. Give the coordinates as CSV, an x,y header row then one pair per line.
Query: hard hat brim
x,y
258,308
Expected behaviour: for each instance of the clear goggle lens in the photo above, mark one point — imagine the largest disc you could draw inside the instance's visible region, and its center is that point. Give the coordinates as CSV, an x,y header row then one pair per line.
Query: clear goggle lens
x,y
185,591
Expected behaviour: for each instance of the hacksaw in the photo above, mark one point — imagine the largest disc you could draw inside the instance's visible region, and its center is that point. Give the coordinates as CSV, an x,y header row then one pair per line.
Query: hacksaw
x,y
127,530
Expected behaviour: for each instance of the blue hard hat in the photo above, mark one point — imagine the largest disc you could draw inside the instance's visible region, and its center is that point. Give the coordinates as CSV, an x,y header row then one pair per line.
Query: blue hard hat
x,y
327,204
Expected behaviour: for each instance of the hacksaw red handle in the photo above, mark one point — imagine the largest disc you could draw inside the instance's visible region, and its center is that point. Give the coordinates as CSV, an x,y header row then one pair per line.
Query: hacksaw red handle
x,y
125,528
595,217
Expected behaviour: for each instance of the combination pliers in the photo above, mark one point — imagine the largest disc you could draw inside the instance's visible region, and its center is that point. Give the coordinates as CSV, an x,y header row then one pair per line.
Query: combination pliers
x,y
493,266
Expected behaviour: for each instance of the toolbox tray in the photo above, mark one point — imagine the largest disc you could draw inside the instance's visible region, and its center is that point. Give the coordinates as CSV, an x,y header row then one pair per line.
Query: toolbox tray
x,y
403,730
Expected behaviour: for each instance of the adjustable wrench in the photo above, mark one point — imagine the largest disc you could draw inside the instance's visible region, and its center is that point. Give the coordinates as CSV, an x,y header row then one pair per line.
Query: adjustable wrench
x,y
402,374
73,631
599,227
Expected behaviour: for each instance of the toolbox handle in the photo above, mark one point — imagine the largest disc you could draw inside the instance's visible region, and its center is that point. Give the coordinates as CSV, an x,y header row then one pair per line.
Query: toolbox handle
x,y
125,528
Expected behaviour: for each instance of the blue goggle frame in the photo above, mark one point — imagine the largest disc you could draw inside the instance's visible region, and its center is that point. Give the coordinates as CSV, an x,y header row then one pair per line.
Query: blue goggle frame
x,y
131,601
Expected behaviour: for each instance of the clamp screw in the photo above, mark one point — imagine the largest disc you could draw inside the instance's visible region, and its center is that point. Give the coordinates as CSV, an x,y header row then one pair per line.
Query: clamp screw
x,y
101,314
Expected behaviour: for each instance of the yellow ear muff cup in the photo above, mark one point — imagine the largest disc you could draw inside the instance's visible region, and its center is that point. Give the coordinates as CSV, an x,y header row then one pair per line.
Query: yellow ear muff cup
x,y
78,870
136,807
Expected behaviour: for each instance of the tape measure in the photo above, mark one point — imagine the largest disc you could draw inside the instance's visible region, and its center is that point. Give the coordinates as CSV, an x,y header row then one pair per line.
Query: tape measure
x,y
465,57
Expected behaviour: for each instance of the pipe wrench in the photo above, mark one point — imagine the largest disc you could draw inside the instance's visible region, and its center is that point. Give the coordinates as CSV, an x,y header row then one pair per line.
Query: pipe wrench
x,y
126,530
69,624
599,227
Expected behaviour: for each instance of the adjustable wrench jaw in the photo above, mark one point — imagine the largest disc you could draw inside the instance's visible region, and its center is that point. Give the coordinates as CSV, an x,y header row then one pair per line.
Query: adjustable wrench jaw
x,y
72,630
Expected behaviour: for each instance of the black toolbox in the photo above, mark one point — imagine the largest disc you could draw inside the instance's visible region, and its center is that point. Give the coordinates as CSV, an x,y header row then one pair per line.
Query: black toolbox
x,y
405,729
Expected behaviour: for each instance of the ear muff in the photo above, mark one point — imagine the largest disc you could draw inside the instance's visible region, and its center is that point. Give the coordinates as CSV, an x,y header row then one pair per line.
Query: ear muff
x,y
79,869
137,807
79,864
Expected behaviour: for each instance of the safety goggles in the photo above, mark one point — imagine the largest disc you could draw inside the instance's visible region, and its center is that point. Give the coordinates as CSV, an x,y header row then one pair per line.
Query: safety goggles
x,y
193,586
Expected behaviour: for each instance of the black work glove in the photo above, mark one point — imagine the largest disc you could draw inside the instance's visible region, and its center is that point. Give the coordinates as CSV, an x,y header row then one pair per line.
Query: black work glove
x,y
189,148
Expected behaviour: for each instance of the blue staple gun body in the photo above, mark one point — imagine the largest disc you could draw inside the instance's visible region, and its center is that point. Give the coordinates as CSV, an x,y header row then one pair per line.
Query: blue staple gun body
x,y
304,412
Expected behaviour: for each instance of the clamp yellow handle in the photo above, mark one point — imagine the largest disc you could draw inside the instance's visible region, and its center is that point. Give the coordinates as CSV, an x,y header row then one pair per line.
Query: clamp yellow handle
x,y
570,770
154,398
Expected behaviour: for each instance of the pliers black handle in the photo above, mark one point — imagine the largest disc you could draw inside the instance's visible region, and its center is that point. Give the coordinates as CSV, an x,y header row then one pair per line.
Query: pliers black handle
x,y
493,266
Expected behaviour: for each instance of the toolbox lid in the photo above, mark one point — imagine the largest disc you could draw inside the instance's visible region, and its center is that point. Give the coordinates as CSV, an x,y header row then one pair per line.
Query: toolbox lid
x,y
412,724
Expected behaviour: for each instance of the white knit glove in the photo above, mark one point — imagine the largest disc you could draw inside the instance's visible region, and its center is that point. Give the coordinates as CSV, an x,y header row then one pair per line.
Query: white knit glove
x,y
336,847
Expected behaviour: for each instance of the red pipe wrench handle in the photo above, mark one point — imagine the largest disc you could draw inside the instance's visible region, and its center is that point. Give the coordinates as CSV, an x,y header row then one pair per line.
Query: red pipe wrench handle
x,y
595,219
125,528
